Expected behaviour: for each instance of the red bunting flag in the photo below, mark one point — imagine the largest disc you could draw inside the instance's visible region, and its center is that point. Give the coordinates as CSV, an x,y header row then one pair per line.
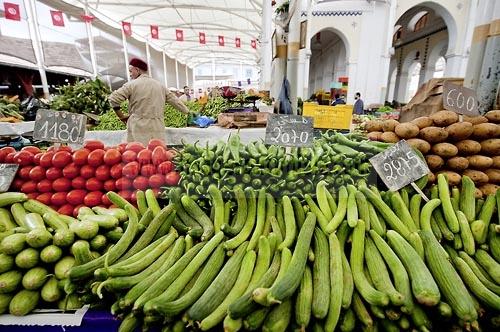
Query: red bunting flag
x,y
127,28
221,40
154,32
57,18
238,42
12,11
203,39
254,43
87,18
179,35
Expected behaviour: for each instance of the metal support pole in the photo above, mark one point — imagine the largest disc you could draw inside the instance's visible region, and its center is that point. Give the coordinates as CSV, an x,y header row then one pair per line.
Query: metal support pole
x,y
213,72
148,57
125,55
177,74
37,43
165,79
192,73
90,36
187,75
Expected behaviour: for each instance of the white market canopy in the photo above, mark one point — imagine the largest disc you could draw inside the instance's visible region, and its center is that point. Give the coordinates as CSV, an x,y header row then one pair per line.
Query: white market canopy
x,y
230,19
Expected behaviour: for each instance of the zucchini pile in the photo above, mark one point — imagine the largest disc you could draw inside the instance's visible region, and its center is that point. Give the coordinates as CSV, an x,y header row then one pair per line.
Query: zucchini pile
x,y
346,260
334,158
39,247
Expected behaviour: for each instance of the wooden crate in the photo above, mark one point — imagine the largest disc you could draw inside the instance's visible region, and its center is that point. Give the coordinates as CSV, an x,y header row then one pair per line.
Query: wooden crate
x,y
242,119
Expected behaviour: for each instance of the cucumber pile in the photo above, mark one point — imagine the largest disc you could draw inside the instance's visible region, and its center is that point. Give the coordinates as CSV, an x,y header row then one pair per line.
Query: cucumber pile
x,y
334,158
349,260
38,248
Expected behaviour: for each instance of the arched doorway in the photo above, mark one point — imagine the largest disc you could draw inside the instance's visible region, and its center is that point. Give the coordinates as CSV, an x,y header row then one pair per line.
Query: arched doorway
x,y
328,63
421,36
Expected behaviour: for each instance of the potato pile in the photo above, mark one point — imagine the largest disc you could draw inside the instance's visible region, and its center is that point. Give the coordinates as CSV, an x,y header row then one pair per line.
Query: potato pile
x,y
471,147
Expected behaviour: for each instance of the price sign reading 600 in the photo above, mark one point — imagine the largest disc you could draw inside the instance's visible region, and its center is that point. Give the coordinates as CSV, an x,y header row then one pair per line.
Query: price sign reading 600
x,y
59,127
289,130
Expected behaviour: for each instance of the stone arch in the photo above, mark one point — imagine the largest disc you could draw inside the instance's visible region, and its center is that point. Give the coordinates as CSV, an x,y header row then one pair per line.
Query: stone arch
x,y
439,50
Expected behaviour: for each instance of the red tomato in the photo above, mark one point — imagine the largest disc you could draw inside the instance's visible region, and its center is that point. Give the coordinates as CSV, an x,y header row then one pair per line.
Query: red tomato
x,y
80,157
123,184
59,199
16,184
109,185
92,145
61,184
159,155
66,209
129,156
144,157
78,183
77,209
23,158
105,200
71,171
170,155
37,173
36,158
46,159
53,173
75,197
116,171
24,172
44,186
131,170
5,151
156,181
122,147
93,185
102,173
45,198
61,159
96,157
87,171
172,179
112,157
126,194
32,149
29,187
148,170
135,146
141,182
93,198
154,143
33,195
166,167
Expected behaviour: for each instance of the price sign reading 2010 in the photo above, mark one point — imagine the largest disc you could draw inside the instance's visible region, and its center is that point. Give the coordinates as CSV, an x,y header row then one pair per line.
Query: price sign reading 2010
x,y
289,130
59,127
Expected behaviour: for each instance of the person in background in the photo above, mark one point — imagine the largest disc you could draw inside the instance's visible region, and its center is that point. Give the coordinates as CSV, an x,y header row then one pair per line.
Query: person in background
x,y
186,96
358,104
338,100
146,102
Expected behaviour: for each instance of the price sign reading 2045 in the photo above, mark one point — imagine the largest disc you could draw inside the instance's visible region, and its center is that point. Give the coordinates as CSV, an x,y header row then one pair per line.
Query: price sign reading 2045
x,y
289,130
59,127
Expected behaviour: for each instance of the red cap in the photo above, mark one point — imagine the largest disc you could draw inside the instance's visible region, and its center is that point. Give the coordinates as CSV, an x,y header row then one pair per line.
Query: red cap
x,y
139,64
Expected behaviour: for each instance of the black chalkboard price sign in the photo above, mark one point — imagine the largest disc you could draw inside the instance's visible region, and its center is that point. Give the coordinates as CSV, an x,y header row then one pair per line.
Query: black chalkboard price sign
x,y
7,174
289,130
399,165
460,99
59,127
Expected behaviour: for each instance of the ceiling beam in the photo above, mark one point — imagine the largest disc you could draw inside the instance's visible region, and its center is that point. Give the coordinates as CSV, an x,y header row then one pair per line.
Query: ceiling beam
x,y
208,26
172,5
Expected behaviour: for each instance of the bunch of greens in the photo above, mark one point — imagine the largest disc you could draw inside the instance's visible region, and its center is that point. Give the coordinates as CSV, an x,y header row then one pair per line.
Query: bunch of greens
x,y
85,96
215,106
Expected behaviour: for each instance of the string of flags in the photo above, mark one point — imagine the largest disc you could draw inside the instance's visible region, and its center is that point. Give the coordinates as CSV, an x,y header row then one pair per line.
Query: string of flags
x,y
12,12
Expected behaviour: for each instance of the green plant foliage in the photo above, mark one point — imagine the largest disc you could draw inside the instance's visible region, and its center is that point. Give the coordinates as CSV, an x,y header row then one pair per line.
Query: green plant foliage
x,y
85,96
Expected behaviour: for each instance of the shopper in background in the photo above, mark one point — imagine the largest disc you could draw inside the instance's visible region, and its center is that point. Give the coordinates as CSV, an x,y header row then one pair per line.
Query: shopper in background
x,y
186,96
146,102
358,104
338,100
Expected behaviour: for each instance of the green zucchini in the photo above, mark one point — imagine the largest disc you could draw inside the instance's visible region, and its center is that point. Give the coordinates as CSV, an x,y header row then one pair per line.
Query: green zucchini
x,y
321,275
336,283
24,302
303,303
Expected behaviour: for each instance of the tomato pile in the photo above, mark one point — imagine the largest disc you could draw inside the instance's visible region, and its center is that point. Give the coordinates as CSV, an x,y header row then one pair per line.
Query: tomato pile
x,y
66,179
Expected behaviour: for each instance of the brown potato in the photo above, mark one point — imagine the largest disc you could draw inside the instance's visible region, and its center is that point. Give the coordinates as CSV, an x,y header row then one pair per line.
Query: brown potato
x,y
444,118
445,150
419,144
433,134
489,189
407,130
375,136
434,162
457,163
496,162
493,116
374,125
493,175
432,177
422,122
491,146
480,162
453,177
477,176
389,137
475,119
459,131
468,147
478,194
389,125
486,131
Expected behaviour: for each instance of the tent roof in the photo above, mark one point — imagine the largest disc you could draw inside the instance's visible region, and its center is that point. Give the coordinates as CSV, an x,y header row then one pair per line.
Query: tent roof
x,y
229,18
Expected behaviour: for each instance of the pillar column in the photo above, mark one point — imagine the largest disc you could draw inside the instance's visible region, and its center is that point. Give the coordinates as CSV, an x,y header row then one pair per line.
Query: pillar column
x,y
401,87
453,65
187,75
148,57
292,66
36,41
90,36
125,54
266,46
177,74
388,51
307,67
165,76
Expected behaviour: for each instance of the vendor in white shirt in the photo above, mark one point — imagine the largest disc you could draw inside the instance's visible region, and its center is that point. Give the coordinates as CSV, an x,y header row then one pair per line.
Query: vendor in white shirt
x,y
186,96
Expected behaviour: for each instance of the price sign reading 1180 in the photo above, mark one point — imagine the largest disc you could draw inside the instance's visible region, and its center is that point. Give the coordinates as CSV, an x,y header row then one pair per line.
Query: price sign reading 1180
x,y
59,127
289,130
